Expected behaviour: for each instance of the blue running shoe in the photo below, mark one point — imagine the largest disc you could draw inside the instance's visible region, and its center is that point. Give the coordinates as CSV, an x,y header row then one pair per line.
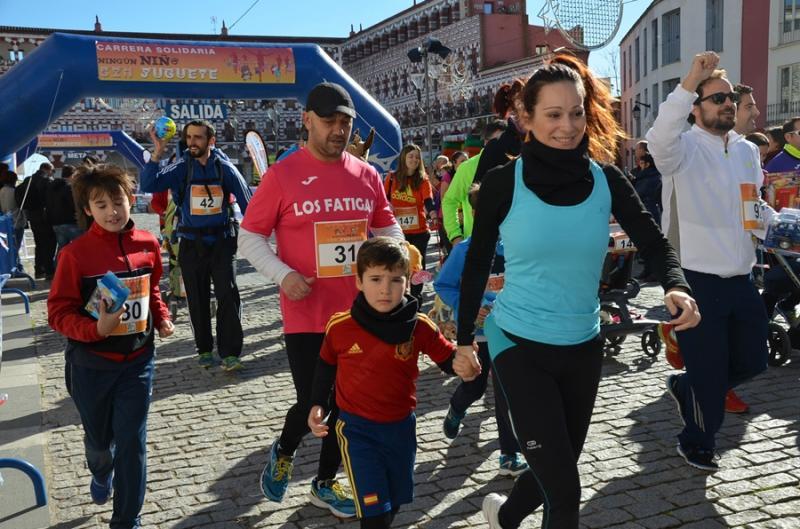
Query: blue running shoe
x,y
331,495
452,423
206,360
512,465
276,475
101,489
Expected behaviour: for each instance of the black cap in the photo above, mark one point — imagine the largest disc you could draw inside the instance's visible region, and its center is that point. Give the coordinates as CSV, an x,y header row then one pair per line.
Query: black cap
x,y
327,98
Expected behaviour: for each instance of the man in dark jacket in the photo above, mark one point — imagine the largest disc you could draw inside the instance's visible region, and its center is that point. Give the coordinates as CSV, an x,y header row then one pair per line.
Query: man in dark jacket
x,y
60,208
30,196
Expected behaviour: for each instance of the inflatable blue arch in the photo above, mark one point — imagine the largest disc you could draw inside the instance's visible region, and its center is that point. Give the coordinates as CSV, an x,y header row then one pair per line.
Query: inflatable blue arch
x,y
66,68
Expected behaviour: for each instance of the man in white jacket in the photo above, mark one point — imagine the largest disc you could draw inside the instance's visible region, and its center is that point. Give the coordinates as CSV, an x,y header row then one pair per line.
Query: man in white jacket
x,y
711,210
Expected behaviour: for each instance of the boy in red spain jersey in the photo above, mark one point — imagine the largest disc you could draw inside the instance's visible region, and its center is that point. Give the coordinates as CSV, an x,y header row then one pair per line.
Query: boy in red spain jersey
x,y
110,360
371,353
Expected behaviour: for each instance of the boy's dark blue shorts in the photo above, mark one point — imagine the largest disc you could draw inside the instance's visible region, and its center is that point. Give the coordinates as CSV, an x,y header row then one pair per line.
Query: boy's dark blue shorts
x,y
379,461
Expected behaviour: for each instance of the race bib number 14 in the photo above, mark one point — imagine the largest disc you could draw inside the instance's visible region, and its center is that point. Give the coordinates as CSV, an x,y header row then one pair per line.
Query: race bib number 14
x,y
337,244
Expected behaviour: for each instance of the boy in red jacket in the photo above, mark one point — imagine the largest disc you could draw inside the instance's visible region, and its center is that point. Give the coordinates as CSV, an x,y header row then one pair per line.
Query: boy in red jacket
x,y
110,360
371,353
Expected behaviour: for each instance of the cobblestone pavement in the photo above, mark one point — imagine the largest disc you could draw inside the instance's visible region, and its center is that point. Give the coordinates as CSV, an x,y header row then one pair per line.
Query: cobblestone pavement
x,y
209,434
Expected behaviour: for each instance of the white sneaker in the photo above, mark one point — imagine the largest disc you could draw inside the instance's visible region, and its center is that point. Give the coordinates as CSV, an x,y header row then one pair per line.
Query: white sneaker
x,y
491,509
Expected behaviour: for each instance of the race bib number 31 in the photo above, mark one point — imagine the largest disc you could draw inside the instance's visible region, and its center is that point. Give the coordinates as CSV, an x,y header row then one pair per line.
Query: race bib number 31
x,y
751,210
206,201
337,243
136,308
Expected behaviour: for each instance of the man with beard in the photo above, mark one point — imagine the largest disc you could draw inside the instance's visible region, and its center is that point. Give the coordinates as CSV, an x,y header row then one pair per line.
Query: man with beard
x,y
321,203
746,110
711,208
202,180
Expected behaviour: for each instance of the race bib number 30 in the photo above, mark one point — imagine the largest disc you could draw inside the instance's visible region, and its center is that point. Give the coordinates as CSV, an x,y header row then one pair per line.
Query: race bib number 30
x,y
751,209
337,243
136,308
206,201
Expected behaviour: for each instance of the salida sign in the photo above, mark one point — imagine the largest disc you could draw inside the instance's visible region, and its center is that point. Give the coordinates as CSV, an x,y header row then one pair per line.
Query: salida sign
x,y
187,112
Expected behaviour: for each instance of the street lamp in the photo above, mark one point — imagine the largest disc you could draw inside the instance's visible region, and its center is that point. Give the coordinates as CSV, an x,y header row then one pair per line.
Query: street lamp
x,y
420,54
637,112
274,116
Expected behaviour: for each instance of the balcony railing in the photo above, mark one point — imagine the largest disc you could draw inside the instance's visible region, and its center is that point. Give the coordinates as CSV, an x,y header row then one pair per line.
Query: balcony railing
x,y
779,113
789,32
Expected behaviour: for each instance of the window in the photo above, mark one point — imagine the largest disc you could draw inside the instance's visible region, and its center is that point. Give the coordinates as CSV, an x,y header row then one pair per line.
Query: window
x,y
646,99
541,49
790,26
624,69
636,49
630,114
630,66
790,83
669,85
656,100
639,118
714,23
487,8
671,49
654,26
644,54
624,114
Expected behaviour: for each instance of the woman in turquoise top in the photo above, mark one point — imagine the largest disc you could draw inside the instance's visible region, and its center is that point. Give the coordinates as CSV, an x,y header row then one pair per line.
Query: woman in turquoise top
x,y
551,207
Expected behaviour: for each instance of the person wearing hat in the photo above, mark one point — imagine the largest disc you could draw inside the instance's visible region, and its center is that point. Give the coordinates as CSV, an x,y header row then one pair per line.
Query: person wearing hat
x,y
321,203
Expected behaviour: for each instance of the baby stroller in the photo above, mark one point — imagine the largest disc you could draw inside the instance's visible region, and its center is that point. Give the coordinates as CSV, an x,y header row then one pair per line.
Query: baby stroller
x,y
617,287
782,337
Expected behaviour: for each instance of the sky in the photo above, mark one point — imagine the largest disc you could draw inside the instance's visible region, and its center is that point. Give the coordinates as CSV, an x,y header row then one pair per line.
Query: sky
x,y
247,17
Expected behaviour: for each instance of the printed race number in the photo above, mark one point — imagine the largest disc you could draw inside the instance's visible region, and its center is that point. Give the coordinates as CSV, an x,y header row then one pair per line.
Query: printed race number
x,y
407,217
136,310
751,208
337,245
206,201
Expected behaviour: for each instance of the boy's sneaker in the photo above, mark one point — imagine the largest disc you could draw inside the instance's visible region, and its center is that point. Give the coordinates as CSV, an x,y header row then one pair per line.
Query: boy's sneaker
x,y
512,465
231,363
491,509
206,360
733,404
276,475
101,489
331,495
452,423
672,389
670,341
700,459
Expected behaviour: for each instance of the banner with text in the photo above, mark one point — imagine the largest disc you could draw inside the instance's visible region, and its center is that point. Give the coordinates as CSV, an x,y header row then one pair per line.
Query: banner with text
x,y
191,63
51,140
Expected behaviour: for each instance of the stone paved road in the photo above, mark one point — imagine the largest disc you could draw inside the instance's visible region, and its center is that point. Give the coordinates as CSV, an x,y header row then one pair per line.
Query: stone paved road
x,y
209,434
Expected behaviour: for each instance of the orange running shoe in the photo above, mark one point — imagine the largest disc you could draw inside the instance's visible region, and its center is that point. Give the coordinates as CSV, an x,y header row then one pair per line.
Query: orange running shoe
x,y
670,341
733,404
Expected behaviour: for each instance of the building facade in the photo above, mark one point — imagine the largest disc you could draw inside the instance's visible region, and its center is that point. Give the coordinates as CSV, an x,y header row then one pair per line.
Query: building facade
x,y
758,47
491,43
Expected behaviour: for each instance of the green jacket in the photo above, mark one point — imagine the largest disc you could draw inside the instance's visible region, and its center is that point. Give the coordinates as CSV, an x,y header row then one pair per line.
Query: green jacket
x,y
457,196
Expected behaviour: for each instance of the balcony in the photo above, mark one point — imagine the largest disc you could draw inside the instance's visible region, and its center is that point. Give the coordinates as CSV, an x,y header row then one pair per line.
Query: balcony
x,y
779,113
788,32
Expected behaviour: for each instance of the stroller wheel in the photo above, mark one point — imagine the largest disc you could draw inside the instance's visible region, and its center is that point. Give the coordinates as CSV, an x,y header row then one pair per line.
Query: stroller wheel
x,y
651,343
779,345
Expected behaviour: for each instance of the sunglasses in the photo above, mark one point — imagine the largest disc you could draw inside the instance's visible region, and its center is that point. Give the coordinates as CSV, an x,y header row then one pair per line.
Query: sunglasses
x,y
720,98
795,132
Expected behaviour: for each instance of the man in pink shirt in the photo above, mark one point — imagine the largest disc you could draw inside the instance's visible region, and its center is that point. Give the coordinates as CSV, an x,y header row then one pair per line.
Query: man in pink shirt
x,y
321,203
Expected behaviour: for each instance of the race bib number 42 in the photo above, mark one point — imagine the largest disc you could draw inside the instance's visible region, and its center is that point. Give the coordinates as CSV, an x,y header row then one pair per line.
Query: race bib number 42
x,y
751,209
136,308
337,243
206,200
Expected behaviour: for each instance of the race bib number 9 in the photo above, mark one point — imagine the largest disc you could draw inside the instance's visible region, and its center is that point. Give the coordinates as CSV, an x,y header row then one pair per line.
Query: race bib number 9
x,y
751,210
206,201
407,217
337,244
136,308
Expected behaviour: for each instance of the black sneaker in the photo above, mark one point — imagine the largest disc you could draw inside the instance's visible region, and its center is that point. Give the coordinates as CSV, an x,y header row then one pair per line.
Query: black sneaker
x,y
698,458
672,390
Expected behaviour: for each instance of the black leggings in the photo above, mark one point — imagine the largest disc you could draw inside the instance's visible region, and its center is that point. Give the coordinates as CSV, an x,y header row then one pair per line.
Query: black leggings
x,y
303,351
420,241
550,392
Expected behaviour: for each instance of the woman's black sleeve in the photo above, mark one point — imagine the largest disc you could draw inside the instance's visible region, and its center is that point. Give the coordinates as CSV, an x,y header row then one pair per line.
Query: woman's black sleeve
x,y
660,256
321,389
494,201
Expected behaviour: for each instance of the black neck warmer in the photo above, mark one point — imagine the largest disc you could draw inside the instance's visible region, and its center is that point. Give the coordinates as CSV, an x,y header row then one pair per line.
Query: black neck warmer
x,y
393,327
558,176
